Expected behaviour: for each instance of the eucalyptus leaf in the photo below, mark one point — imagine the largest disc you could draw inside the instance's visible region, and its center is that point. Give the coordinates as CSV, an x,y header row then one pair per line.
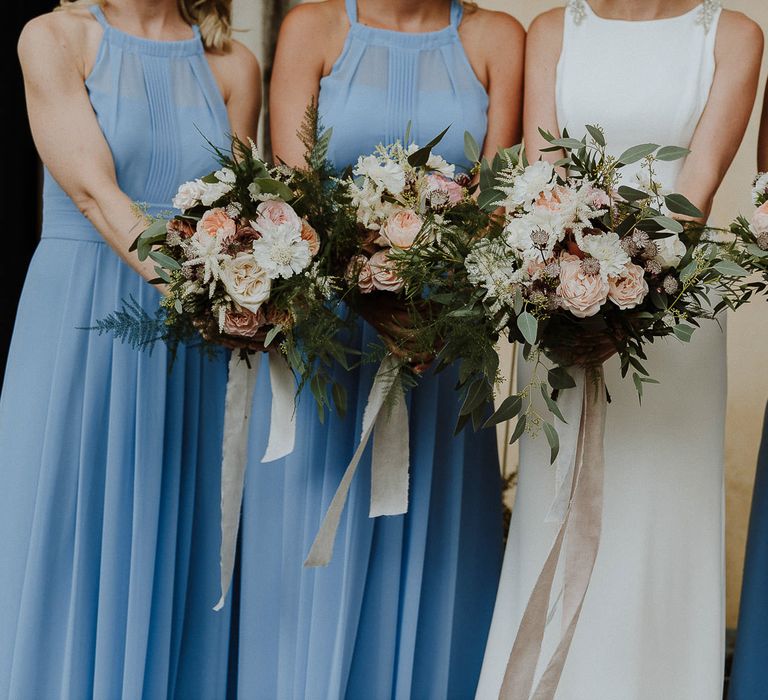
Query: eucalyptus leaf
x,y
596,134
528,326
570,144
729,268
508,409
554,409
268,185
471,148
678,204
672,153
162,259
636,153
517,433
668,224
683,332
559,378
631,194
553,440
272,334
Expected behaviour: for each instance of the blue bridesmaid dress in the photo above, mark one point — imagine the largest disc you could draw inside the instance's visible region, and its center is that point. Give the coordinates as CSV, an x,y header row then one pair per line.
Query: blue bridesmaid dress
x,y
749,673
109,501
404,607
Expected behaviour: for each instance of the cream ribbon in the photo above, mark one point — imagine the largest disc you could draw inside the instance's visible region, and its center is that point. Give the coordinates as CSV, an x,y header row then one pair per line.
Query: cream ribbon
x,y
386,416
582,524
237,414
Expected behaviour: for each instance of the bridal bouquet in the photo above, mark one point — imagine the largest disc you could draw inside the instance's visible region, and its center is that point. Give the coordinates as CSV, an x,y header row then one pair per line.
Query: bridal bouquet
x,y
245,264
404,273
587,267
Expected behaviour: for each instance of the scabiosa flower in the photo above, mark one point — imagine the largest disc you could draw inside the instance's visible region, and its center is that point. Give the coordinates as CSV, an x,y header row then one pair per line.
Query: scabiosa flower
x,y
590,266
540,238
762,241
629,247
670,285
650,251
462,179
641,239
653,267
281,251
552,270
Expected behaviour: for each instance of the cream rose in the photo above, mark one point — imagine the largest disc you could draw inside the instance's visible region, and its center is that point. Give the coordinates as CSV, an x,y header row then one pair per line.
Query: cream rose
x,y
276,212
216,224
671,251
309,234
189,195
580,293
402,228
383,273
243,323
246,283
760,220
629,290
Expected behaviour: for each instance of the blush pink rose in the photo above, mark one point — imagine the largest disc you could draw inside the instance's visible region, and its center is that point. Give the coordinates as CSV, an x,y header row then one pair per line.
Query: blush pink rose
x,y
454,191
278,213
309,234
630,289
216,224
243,323
580,293
598,198
760,219
383,273
359,272
402,227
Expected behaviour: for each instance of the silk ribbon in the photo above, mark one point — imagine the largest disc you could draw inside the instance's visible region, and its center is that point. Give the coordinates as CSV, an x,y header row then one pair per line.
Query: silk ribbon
x,y
579,534
386,417
237,414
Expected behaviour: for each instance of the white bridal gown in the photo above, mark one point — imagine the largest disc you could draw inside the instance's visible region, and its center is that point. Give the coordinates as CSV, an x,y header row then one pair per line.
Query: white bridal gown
x,y
652,626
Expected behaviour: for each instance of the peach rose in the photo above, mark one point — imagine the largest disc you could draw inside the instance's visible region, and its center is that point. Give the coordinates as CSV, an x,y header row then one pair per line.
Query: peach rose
x,y
452,189
402,227
553,200
277,213
384,276
359,272
243,323
629,290
760,220
580,293
216,224
309,234
598,198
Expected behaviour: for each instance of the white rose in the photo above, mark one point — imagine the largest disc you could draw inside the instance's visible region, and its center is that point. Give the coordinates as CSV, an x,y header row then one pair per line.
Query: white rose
x,y
671,251
388,175
245,281
189,195
225,175
213,192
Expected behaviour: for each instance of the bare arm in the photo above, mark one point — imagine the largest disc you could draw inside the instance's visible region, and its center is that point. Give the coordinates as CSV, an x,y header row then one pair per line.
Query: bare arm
x,y
311,36
545,40
239,77
66,130
68,136
762,146
495,45
738,53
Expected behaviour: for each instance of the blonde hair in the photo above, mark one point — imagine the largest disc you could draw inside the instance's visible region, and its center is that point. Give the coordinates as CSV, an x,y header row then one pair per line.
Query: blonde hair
x,y
213,17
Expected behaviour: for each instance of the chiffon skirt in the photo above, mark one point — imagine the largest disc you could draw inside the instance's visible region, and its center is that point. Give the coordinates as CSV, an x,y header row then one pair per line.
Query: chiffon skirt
x,y
109,503
404,607
749,675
